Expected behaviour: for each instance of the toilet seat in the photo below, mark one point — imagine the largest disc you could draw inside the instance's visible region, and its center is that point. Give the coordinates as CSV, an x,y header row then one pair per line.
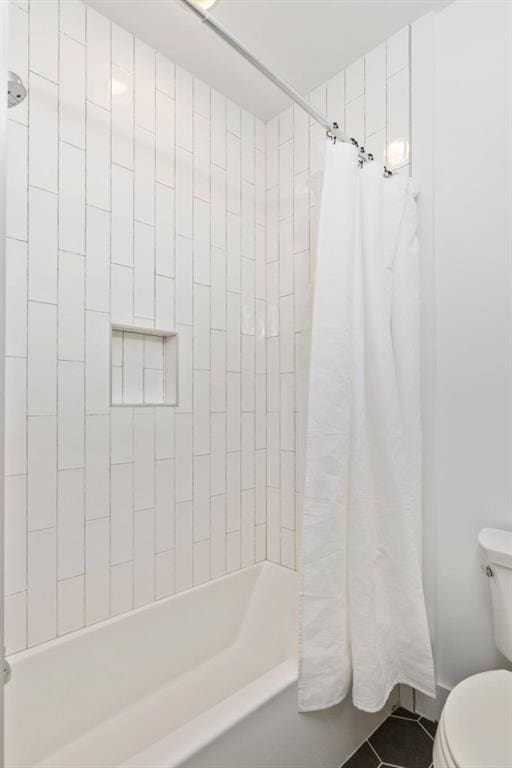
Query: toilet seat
x,y
475,729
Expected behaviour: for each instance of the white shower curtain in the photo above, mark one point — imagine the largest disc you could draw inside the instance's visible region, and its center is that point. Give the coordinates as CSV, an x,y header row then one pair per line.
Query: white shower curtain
x,y
362,613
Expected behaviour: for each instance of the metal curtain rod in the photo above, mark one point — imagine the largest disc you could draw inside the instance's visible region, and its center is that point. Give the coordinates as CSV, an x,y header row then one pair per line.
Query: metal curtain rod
x,y
222,32
333,130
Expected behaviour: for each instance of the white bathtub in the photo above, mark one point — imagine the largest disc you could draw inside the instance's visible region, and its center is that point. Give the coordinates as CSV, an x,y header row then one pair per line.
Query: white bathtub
x,y
203,679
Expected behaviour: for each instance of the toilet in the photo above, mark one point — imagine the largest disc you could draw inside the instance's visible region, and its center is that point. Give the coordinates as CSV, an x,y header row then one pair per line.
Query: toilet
x,y
475,728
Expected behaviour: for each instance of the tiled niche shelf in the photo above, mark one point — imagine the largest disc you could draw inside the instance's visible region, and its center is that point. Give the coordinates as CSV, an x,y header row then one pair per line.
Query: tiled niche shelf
x,y
144,366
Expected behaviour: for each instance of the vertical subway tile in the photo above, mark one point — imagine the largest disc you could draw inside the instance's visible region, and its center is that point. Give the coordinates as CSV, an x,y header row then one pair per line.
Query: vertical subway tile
x,y
233,118
17,55
233,411
72,91
122,116
70,438
164,230
70,605
233,553
183,489
43,133
15,573
144,557
71,327
16,181
201,98
201,333
218,128
218,454
70,523
15,429
42,586
72,20
15,298
164,139
185,368
97,272
201,413
184,269
164,574
121,513
335,101
272,152
184,175
201,157
144,271
398,51
218,371
201,497
98,156
164,504
398,113
42,359
121,244
218,537
122,48
98,58
233,491
97,570
121,435
247,529
144,86
218,293
144,198
42,472
42,274
121,588
44,38
144,459
121,294
184,107
218,209
71,198
375,89
184,546
97,357
201,562
15,622
97,466
165,75
201,242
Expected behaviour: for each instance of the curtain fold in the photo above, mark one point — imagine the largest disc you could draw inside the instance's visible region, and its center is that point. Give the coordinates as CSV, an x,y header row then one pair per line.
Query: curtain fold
x,y
363,622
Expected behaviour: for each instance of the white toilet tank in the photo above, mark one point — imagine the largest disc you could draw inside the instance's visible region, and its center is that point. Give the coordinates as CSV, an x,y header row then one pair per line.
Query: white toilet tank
x,y
496,549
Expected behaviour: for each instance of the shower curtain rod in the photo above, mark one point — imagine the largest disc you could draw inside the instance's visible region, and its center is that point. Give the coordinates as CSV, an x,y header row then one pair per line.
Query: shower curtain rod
x,y
332,128
222,32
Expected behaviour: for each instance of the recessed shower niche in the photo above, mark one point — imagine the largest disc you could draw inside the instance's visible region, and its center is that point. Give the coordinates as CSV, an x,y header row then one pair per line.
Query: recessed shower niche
x,y
144,366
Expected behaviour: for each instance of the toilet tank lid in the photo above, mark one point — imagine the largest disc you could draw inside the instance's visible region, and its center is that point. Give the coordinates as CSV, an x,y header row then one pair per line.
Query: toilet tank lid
x,y
497,545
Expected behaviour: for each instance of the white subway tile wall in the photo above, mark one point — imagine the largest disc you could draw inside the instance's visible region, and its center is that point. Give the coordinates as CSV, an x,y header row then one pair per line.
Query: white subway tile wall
x,y
370,101
139,196
135,195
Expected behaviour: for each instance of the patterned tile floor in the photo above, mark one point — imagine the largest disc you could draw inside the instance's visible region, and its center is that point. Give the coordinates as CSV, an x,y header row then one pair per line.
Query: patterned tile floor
x,y
404,740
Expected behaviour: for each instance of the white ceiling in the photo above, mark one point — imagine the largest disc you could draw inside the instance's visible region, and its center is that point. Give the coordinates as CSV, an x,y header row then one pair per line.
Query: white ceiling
x,y
304,41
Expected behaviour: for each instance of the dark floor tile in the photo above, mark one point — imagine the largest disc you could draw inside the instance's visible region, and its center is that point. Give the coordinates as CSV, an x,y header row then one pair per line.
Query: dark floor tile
x,y
365,757
403,742
429,726
402,712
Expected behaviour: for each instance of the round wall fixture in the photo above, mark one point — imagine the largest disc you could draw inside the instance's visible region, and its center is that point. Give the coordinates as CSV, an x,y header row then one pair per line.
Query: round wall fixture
x,y
206,4
16,91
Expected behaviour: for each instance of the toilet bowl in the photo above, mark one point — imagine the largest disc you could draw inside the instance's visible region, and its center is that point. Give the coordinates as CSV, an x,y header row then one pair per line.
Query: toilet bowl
x,y
475,728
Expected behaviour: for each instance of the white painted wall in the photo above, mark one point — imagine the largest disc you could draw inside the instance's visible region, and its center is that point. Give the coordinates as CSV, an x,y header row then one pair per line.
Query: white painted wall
x,y
462,129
